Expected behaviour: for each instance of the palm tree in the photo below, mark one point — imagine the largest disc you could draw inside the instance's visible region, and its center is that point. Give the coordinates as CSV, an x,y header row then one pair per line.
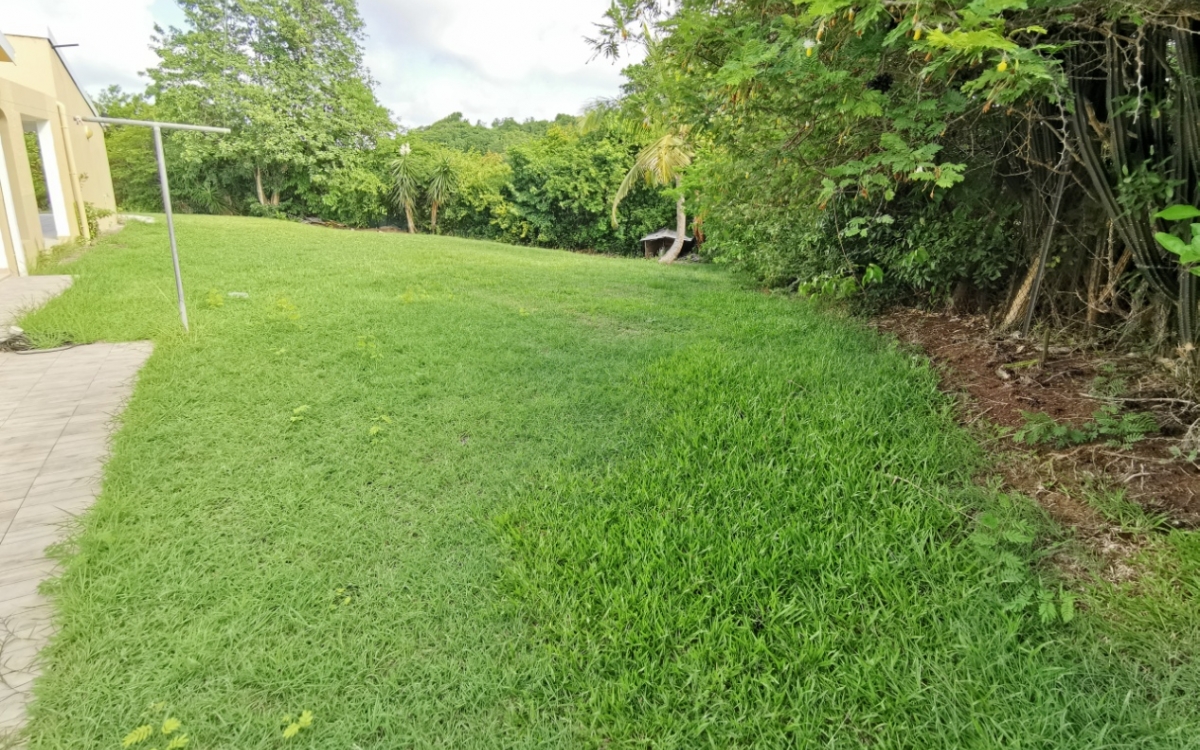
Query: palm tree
x,y
662,164
404,185
443,183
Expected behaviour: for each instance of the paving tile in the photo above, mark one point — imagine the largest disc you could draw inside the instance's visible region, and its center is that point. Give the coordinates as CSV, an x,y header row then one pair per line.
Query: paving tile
x,y
17,485
19,548
57,483
86,423
56,414
21,293
20,656
41,515
16,386
14,439
68,496
18,590
28,533
62,455
16,470
96,437
26,617
42,488
27,368
8,508
85,429
38,570
60,406
23,424
29,451
12,373
12,717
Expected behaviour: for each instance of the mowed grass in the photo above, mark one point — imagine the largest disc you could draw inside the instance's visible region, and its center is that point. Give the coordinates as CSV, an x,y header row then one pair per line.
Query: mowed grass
x,y
445,493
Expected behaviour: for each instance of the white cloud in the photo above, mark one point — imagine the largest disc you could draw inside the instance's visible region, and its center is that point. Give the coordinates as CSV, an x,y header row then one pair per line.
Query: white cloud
x,y
484,58
113,36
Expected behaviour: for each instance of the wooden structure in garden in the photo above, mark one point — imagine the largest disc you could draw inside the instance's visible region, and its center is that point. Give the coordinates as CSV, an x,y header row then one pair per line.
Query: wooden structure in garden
x,y
657,243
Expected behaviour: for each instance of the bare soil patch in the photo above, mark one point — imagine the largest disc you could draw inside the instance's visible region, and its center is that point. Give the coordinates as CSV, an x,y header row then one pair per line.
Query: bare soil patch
x,y
1003,377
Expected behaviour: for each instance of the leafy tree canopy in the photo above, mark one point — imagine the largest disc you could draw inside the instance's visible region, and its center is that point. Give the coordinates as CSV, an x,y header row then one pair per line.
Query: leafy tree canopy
x,y
456,132
288,77
130,150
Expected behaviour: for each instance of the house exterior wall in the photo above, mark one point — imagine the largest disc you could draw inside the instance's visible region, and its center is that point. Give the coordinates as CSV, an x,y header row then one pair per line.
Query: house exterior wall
x,y
88,148
36,89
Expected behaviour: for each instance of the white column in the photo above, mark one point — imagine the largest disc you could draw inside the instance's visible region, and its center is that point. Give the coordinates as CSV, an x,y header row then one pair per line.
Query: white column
x,y
14,229
58,202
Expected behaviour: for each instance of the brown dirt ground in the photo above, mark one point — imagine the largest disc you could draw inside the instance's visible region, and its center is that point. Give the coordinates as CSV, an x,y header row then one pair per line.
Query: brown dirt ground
x,y
1000,377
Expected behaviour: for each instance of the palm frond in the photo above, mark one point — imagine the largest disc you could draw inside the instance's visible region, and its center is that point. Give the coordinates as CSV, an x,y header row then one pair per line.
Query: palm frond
x,y
658,164
599,115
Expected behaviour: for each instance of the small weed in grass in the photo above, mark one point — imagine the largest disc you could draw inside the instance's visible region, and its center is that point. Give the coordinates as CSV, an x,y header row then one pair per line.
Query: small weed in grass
x,y
1107,423
368,348
292,728
169,732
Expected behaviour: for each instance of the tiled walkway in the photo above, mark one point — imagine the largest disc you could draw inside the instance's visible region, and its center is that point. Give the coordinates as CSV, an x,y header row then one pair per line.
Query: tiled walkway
x,y
21,293
56,411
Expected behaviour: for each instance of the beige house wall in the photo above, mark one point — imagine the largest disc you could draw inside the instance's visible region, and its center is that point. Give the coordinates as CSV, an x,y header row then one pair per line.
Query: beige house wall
x,y
37,88
89,150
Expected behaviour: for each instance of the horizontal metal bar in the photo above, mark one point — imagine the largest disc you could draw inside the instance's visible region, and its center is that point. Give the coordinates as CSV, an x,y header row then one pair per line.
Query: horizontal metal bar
x,y
153,124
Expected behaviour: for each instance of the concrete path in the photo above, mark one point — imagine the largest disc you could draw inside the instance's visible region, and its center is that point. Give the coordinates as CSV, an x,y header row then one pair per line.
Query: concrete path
x,y
19,294
56,413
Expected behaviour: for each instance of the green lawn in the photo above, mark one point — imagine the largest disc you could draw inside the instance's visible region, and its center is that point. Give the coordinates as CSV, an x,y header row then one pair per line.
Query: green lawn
x,y
445,493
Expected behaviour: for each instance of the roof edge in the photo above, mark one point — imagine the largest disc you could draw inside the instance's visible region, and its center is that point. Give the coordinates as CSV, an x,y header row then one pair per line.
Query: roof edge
x,y
70,73
664,234
7,53
49,39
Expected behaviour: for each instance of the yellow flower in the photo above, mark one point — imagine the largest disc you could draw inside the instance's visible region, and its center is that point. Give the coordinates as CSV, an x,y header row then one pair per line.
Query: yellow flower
x,y
1003,66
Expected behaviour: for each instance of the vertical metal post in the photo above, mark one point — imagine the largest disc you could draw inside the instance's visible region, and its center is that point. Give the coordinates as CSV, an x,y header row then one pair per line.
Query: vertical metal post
x,y
166,196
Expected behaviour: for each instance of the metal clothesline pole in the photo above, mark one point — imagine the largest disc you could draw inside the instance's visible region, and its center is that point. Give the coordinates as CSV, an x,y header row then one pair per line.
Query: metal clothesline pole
x,y
166,196
158,127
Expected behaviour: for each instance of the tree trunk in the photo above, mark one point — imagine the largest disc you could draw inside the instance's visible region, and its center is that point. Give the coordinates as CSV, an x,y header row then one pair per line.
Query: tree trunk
x,y
262,197
962,300
1099,261
680,229
412,227
433,218
1022,297
275,197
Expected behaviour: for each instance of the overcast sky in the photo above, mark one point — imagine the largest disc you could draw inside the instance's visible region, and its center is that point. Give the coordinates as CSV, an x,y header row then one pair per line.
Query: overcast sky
x,y
484,58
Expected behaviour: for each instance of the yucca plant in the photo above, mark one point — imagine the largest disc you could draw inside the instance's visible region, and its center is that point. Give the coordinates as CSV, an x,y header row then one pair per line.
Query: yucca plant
x,y
443,184
405,189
